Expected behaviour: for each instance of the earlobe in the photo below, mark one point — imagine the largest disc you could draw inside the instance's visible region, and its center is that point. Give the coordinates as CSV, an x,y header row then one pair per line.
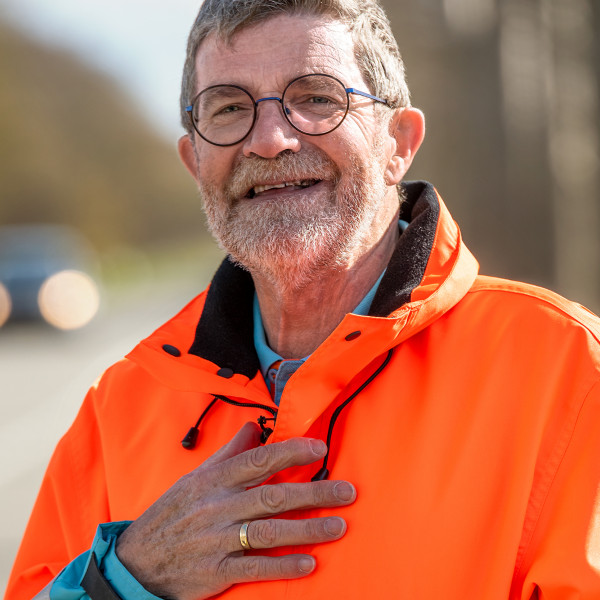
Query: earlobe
x,y
407,128
187,153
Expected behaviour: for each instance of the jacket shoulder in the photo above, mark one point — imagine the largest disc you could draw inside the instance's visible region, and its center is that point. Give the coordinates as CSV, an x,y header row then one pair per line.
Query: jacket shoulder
x,y
172,338
527,299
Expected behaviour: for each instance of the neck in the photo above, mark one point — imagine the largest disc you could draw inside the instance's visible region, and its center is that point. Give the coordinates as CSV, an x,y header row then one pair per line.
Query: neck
x,y
297,321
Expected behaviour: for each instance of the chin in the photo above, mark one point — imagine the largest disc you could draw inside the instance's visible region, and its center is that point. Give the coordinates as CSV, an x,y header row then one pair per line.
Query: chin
x,y
294,240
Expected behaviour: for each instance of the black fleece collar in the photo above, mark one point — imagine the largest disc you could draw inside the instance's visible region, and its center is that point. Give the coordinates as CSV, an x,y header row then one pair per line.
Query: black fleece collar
x,y
224,334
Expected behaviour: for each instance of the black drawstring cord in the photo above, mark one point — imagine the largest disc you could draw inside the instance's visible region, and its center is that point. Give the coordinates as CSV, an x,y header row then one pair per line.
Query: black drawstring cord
x,y
266,431
323,472
189,441
270,409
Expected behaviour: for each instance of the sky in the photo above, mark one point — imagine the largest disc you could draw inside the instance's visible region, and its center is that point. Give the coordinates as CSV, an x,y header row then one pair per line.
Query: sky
x,y
139,42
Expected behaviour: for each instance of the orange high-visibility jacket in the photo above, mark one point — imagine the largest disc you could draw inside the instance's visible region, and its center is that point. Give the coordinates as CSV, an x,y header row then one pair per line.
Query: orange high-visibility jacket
x,y
475,451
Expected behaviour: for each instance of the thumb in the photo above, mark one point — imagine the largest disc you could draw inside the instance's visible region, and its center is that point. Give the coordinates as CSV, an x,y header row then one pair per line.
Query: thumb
x,y
246,438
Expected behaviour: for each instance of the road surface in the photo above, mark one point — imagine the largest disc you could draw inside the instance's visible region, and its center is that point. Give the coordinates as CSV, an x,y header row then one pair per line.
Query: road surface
x,y
44,375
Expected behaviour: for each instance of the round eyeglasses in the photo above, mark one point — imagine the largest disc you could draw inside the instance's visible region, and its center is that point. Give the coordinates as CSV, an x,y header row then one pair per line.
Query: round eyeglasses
x,y
314,104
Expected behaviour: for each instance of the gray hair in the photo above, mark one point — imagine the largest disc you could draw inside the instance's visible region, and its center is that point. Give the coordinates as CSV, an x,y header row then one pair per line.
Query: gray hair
x,y
375,48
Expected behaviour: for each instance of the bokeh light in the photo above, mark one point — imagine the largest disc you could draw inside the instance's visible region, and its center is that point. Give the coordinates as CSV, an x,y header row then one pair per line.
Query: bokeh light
x,y
69,300
5,305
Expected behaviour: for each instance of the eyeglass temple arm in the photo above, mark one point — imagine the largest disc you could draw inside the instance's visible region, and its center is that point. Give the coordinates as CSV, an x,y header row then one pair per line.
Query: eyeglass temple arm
x,y
355,91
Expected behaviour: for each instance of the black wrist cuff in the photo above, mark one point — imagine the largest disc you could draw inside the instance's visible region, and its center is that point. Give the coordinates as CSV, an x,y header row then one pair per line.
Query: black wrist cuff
x,y
95,584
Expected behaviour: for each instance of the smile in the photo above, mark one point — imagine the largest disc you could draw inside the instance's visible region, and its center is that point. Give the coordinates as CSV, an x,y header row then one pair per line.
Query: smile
x,y
300,184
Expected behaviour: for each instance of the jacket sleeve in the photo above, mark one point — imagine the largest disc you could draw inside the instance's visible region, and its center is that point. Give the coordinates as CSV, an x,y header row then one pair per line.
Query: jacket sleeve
x,y
561,559
117,582
71,503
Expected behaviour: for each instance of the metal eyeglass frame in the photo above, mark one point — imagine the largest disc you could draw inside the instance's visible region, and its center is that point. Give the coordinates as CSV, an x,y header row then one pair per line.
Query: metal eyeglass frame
x,y
349,90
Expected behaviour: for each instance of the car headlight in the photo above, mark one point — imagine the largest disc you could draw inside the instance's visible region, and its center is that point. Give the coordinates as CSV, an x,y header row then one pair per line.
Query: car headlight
x,y
69,299
5,304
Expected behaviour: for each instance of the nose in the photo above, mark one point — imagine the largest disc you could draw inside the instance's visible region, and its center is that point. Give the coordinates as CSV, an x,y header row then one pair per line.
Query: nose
x,y
271,134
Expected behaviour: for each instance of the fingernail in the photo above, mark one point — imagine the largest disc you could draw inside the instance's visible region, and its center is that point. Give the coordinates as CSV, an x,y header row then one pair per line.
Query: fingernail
x,y
307,564
344,491
318,447
334,526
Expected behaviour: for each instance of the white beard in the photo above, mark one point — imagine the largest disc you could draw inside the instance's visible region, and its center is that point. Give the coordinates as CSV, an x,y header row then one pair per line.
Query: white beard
x,y
292,243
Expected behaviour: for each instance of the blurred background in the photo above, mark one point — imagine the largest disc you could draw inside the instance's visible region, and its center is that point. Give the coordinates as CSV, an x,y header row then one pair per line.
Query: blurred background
x,y
95,205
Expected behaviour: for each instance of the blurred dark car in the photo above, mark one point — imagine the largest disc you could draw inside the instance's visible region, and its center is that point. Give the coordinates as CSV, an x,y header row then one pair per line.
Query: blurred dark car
x,y
45,274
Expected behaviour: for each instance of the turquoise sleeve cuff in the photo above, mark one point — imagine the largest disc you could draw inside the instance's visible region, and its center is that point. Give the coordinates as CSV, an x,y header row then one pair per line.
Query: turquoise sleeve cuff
x,y
120,579
67,586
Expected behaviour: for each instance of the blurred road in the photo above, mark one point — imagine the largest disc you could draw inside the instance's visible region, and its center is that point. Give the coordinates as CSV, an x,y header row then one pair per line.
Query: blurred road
x,y
44,375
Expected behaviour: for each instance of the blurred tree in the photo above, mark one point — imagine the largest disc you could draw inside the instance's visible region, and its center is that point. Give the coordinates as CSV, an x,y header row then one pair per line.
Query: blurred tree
x,y
510,92
73,149
573,142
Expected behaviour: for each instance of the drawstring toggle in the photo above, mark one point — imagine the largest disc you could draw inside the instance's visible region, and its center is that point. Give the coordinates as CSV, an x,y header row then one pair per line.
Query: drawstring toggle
x,y
190,439
266,431
321,474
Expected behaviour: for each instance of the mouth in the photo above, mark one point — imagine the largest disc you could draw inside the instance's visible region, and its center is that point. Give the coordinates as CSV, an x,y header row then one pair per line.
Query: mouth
x,y
298,184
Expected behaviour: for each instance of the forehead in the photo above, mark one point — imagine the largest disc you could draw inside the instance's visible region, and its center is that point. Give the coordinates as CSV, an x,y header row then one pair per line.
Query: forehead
x,y
268,55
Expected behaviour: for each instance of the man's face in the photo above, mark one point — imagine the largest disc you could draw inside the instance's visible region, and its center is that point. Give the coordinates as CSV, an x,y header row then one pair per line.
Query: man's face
x,y
335,200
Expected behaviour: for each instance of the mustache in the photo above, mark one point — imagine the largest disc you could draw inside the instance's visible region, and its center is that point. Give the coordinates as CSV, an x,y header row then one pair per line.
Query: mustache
x,y
286,166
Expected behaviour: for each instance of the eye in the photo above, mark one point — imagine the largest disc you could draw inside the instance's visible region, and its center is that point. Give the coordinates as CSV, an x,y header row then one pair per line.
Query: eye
x,y
229,109
319,100
222,102
312,98
312,101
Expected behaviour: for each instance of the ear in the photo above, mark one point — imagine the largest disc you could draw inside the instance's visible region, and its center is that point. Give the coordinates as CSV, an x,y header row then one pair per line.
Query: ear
x,y
187,154
407,130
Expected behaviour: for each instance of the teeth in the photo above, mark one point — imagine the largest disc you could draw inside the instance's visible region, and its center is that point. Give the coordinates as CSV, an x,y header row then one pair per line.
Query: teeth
x,y
300,183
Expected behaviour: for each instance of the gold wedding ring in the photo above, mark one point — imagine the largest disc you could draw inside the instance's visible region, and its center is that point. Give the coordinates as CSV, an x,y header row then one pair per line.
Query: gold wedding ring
x,y
244,536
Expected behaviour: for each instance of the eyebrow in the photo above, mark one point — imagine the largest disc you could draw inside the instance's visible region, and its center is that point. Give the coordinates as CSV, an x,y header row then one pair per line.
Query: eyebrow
x,y
224,90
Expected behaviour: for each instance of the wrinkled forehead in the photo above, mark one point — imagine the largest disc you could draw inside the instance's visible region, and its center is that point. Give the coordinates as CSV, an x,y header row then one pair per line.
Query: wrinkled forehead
x,y
273,52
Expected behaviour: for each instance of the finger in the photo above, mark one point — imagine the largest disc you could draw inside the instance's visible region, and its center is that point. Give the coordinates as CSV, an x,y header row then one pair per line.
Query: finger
x,y
268,500
255,466
274,533
239,569
246,438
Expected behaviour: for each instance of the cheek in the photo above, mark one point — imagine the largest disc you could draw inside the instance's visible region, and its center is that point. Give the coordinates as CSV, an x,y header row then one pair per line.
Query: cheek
x,y
214,167
353,143
362,127
341,149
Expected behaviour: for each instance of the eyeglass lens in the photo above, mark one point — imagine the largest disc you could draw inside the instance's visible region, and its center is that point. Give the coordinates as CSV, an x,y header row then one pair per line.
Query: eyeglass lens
x,y
313,104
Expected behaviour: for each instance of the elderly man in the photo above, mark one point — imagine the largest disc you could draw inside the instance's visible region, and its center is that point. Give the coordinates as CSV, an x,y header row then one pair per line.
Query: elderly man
x,y
369,417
